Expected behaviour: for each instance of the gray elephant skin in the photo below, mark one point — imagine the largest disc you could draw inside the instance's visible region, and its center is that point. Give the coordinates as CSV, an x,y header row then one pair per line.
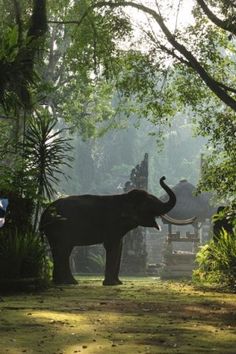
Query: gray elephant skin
x,y
93,219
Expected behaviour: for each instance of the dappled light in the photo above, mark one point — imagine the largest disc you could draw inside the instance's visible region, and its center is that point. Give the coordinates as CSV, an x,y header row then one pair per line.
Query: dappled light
x,y
143,315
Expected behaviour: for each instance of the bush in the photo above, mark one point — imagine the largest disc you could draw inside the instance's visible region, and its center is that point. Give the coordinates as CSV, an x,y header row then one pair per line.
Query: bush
x,y
96,263
217,261
22,256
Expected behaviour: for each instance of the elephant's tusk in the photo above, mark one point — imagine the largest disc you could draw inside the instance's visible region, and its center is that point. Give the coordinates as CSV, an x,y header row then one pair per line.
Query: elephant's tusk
x,y
178,222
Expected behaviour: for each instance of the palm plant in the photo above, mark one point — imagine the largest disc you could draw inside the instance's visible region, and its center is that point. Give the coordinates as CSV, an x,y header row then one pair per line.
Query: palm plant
x,y
45,150
97,262
22,255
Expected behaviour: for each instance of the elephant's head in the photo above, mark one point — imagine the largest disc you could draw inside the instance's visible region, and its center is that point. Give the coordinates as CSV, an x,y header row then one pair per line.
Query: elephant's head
x,y
145,207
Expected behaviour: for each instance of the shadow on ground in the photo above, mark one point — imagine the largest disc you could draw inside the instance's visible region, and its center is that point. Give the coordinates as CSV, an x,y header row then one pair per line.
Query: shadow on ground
x,y
141,316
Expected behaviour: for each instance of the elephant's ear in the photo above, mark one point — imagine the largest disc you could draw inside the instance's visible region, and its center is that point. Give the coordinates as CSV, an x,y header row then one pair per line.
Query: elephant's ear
x,y
137,195
132,205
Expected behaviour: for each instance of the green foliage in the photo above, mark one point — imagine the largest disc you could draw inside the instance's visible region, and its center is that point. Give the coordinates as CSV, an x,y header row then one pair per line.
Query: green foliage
x,y
88,108
84,62
216,52
9,48
217,261
218,172
22,256
96,263
45,150
35,164
140,82
22,30
79,65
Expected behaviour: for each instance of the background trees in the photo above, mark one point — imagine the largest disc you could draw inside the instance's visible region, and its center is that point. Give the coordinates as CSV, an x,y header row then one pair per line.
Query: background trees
x,y
89,59
200,74
181,47
85,67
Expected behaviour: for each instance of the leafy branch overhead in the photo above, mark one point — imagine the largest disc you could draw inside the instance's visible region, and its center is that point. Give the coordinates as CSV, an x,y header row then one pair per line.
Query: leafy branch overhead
x,y
221,89
93,71
228,24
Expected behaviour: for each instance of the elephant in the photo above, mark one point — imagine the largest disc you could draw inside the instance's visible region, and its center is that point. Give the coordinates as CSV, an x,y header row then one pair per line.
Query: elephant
x,y
80,220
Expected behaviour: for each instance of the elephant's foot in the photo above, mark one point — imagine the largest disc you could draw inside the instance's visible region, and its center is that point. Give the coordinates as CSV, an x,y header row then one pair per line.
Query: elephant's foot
x,y
112,282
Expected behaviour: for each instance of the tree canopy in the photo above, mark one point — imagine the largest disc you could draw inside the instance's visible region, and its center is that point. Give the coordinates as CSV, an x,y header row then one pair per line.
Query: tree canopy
x,y
89,59
200,75
222,88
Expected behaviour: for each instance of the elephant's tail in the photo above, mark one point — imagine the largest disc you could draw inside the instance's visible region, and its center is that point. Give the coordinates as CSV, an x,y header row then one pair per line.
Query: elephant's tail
x,y
42,224
45,220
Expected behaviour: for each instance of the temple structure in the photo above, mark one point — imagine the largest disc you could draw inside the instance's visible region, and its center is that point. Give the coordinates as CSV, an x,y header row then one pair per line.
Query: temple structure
x,y
181,243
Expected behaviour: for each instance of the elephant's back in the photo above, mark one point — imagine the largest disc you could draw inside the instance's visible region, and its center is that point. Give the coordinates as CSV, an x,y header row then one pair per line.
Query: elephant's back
x,y
82,220
80,210
80,206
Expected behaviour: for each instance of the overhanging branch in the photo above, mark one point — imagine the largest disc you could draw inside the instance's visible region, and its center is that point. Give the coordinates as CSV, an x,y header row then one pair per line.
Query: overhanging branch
x,y
207,78
224,24
172,53
18,21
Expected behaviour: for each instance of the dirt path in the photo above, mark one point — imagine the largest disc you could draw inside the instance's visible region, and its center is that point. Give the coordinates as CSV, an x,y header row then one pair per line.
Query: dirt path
x,y
141,316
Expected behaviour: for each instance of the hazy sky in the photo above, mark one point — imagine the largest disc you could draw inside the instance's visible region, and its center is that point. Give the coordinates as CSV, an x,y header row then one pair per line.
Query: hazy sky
x,y
176,12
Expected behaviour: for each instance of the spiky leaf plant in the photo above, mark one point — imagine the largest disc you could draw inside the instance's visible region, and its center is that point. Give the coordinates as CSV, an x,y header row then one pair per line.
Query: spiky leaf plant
x,y
46,149
22,256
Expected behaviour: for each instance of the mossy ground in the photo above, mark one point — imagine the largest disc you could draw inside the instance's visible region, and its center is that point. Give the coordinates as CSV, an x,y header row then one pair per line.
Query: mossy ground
x,y
144,315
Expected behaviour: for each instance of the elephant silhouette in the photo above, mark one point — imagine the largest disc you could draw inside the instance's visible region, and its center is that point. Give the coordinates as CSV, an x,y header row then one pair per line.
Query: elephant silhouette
x,y
99,219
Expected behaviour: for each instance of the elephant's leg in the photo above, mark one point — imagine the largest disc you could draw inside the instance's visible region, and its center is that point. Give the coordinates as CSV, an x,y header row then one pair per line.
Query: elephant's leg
x,y
113,257
117,270
61,265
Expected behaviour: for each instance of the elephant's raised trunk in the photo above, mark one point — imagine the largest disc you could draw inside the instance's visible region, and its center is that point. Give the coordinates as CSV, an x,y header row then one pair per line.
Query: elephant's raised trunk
x,y
172,198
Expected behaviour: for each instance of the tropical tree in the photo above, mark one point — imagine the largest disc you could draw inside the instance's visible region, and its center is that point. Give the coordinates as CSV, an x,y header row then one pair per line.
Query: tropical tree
x,y
22,35
198,74
44,81
181,48
45,151
192,67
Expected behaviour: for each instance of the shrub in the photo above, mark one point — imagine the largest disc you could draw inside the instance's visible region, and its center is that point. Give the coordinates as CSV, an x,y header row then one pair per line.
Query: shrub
x,y
217,261
96,263
22,256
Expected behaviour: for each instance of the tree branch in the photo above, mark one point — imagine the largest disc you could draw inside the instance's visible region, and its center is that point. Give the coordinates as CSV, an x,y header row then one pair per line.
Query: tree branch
x,y
207,78
38,22
226,88
74,22
169,51
18,21
224,24
174,55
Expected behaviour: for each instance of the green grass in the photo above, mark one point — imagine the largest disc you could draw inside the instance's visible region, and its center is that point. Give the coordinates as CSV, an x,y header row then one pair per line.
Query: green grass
x,y
144,315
